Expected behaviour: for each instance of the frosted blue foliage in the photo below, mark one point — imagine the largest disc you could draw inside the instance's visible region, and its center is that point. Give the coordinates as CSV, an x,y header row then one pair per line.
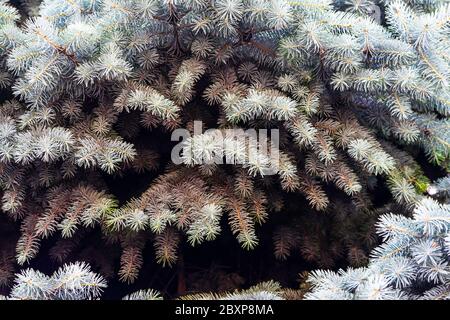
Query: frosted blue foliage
x,y
100,39
73,281
74,47
412,263
440,187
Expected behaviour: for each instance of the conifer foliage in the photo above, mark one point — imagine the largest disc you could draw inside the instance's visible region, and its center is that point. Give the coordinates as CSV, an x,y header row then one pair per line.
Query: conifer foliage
x,y
71,282
411,263
91,92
